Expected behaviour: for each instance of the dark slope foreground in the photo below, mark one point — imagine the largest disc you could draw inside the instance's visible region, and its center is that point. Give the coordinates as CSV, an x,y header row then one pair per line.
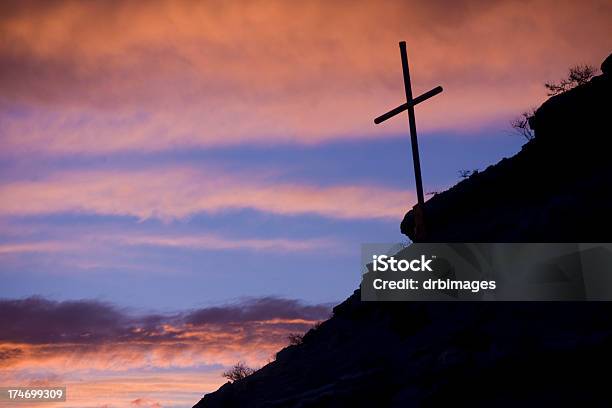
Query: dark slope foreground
x,y
558,188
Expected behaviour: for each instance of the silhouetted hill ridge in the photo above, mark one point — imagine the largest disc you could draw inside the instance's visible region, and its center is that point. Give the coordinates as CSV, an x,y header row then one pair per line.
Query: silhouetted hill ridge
x,y
557,188
553,190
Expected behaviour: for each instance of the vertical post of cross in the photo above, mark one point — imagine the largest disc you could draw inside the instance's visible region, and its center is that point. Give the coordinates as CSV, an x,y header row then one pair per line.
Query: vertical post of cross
x,y
412,123
418,209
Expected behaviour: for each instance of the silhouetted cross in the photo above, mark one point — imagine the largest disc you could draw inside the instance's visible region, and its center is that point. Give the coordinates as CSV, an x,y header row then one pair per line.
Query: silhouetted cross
x,y
409,106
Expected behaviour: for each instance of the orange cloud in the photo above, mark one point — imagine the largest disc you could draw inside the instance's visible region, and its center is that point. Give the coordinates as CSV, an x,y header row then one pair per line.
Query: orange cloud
x,y
145,402
101,77
169,193
105,355
169,389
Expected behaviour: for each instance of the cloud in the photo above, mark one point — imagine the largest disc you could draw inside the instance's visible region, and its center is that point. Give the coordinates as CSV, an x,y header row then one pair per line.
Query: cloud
x,y
88,242
268,308
145,402
10,354
105,354
169,388
102,77
171,193
44,246
211,241
38,320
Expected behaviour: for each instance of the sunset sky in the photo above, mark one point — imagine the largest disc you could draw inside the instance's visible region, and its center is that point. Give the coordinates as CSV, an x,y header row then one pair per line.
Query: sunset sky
x,y
184,183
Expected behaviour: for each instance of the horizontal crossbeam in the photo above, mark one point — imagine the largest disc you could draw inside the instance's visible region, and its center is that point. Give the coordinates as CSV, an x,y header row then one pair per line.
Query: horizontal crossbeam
x,y
405,106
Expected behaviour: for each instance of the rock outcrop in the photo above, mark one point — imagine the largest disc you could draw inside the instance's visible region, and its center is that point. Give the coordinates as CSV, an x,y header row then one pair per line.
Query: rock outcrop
x,y
558,188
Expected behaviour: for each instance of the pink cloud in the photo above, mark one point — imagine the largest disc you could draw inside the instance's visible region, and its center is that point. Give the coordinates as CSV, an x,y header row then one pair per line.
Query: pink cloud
x,y
209,241
39,246
93,242
161,75
171,193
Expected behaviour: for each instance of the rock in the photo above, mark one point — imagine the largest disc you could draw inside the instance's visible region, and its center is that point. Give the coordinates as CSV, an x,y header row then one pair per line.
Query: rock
x,y
606,66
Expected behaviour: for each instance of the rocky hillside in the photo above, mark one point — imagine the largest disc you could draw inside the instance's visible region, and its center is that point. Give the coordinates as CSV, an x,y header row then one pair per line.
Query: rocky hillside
x,y
558,188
